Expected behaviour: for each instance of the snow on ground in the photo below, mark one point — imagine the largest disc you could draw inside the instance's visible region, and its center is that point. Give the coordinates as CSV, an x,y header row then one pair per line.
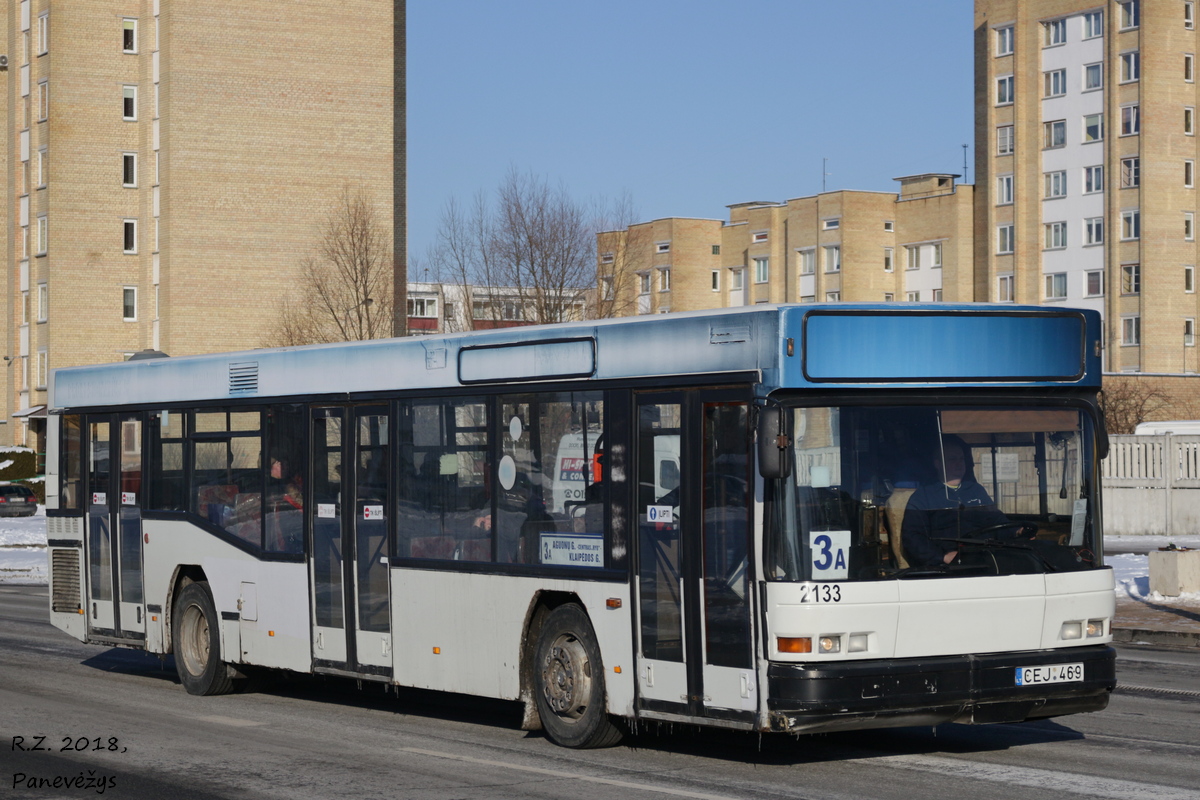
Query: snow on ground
x,y
23,549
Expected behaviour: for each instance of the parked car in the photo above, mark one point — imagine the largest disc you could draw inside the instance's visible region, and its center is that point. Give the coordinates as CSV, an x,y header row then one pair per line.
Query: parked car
x,y
17,501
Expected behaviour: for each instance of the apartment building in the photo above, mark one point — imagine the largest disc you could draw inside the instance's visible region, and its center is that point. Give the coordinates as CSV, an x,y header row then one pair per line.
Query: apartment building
x,y
167,166
436,307
915,245
1086,161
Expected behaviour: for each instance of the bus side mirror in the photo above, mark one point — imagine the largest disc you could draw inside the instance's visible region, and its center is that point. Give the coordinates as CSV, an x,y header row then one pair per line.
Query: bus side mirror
x,y
774,442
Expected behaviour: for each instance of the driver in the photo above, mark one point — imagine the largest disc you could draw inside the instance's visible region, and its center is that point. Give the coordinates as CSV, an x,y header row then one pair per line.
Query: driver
x,y
954,508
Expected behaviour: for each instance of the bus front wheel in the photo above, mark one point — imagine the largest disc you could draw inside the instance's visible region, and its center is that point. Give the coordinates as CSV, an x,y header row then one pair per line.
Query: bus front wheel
x,y
197,642
570,682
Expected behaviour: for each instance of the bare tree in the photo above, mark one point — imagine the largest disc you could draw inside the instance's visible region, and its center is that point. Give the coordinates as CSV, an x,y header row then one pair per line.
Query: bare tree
x,y
528,253
620,243
1129,400
345,287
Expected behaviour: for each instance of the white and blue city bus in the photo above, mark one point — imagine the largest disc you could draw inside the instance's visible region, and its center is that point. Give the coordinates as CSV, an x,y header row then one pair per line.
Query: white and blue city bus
x,y
793,518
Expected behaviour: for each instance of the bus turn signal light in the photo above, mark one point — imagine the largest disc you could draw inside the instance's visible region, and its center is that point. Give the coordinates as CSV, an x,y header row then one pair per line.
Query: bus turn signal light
x,y
789,644
613,602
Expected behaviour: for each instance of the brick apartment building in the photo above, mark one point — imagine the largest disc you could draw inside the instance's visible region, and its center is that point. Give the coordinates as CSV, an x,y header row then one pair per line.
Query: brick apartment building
x,y
168,164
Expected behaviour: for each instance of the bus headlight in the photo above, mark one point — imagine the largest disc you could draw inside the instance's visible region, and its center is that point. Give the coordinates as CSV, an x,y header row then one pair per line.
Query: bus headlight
x,y
831,644
1071,630
857,643
1095,628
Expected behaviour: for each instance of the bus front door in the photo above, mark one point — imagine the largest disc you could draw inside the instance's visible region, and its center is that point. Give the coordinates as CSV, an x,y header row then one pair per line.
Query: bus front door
x,y
695,640
114,530
349,569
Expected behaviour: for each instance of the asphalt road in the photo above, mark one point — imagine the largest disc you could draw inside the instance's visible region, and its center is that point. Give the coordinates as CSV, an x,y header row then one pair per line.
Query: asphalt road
x,y
132,732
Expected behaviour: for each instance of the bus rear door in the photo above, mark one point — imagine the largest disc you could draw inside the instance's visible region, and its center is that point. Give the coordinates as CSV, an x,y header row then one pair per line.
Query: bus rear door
x,y
695,638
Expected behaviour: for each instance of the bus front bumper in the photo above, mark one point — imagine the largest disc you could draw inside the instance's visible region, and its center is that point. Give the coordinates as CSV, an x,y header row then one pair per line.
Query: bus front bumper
x,y
976,689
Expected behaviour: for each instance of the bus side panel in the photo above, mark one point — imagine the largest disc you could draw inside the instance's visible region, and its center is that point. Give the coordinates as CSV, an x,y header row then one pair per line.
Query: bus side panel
x,y
460,632
1078,597
278,591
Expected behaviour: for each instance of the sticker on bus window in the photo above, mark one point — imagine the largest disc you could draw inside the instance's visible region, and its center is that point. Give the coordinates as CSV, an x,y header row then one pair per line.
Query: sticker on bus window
x,y
326,510
573,549
830,555
660,514
99,498
128,499
1078,522
372,512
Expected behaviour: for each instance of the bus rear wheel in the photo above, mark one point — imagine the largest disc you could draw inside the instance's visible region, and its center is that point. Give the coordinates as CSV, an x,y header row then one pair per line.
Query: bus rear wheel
x,y
569,681
197,642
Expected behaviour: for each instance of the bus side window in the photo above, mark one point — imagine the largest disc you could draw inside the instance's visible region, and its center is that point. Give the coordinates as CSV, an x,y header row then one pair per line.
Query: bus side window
x,y
166,486
71,469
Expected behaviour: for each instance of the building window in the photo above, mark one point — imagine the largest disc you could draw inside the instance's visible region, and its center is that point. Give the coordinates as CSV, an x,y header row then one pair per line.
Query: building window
x,y
716,280
1004,289
1093,24
831,224
1004,190
1093,179
1004,90
423,307
1004,239
1130,120
1054,32
888,256
1131,279
1189,119
1189,332
737,279
888,297
912,297
643,283
1093,230
716,249
1131,172
1056,286
833,297
1056,83
1094,281
1131,225
43,302
833,259
758,237
808,298
1189,279
662,247
130,237
43,369
605,258
1131,67
43,236
664,279
129,36
1093,128
1004,140
1054,134
762,270
1189,15
43,34
890,225
1056,235
1093,77
1131,331
1189,226
937,295
129,102
807,261
914,257
1189,173
43,98
129,304
1056,184
936,251
606,293
43,166
1004,41
129,169
1130,14
1189,67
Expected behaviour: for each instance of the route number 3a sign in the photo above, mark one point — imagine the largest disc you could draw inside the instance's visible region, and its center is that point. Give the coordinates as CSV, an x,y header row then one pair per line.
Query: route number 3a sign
x,y
830,555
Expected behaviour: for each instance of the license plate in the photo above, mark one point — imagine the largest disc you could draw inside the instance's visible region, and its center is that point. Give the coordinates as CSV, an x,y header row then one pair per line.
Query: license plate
x,y
1052,673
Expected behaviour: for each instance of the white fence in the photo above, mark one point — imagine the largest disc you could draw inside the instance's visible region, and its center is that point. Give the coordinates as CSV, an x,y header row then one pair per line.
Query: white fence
x,y
1152,485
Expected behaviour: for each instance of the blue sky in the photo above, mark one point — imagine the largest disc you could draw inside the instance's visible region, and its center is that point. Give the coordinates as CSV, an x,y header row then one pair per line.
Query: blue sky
x,y
685,105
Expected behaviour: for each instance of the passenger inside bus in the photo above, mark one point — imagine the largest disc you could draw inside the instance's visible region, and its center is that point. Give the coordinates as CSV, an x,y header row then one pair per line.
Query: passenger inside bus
x,y
955,507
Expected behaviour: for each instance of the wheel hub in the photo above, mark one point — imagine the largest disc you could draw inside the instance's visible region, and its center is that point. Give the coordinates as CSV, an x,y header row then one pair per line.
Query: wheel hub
x,y
566,678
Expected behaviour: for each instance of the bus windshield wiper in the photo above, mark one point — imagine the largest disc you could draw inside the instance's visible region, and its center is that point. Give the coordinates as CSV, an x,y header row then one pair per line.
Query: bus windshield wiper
x,y
1006,544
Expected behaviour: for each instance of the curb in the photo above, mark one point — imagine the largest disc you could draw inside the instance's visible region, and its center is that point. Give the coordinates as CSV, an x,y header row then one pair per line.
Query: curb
x,y
1159,637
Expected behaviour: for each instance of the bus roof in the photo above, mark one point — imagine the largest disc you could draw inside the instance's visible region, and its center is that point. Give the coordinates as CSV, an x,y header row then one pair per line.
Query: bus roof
x,y
790,346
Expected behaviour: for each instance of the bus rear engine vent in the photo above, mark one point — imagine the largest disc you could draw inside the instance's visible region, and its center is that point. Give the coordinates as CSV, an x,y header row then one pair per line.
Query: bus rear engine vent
x,y
64,579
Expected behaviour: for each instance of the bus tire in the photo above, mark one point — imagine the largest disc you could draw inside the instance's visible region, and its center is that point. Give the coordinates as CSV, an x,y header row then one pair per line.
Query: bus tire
x,y
197,642
569,682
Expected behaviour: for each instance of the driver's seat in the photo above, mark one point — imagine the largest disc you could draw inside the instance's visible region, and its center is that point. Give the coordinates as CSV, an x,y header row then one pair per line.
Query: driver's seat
x,y
894,510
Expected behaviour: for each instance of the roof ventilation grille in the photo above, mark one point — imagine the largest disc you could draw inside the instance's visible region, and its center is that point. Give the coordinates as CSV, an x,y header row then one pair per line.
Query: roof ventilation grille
x,y
243,377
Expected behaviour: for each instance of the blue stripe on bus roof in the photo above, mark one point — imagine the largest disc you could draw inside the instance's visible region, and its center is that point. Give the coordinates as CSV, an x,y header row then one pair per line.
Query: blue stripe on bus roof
x,y
952,346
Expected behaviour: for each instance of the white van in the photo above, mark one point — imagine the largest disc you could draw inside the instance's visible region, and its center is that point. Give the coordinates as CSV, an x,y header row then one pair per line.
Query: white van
x,y
1176,426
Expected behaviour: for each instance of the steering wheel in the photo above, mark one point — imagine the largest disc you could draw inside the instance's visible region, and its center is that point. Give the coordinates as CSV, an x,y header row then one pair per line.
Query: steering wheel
x,y
1030,527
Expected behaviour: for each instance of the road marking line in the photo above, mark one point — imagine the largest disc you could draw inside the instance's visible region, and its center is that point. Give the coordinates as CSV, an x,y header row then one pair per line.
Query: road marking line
x,y
1092,786
645,787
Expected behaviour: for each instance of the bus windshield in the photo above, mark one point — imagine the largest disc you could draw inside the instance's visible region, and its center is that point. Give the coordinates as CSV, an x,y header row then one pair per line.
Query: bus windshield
x,y
878,493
